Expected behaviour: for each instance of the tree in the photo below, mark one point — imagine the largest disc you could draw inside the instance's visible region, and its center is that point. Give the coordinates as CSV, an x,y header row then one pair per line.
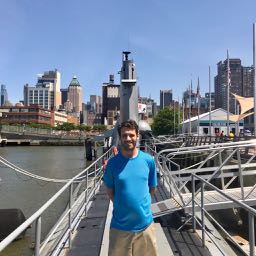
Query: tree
x,y
65,127
36,125
163,123
87,128
99,127
82,127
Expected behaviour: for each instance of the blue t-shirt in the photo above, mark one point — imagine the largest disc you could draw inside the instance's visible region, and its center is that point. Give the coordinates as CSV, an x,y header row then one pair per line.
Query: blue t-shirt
x,y
131,178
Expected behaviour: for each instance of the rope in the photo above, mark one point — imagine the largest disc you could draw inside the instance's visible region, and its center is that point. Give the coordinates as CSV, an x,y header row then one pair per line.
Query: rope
x,y
29,174
17,169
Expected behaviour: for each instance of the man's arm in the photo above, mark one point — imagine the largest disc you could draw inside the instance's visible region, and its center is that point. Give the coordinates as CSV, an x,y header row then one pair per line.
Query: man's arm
x,y
110,193
152,191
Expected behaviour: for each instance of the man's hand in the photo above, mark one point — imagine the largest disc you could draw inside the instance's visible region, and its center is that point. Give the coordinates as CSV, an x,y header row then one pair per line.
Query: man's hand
x,y
110,193
152,191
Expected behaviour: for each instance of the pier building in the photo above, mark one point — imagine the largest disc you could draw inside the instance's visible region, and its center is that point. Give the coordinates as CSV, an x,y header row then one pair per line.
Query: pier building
x,y
35,114
27,114
218,124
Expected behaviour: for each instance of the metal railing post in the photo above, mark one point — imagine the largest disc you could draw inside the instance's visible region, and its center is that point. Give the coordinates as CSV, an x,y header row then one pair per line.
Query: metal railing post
x,y
193,204
38,236
70,213
251,234
94,180
222,179
240,171
170,186
86,194
202,213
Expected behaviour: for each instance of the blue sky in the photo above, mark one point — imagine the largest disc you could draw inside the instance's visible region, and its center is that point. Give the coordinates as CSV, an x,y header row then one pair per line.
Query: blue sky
x,y
172,41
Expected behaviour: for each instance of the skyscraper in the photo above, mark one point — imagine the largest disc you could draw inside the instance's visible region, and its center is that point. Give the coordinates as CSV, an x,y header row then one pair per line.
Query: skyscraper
x,y
64,95
247,78
46,93
207,97
54,78
4,95
248,85
110,101
165,98
189,99
75,94
220,83
96,103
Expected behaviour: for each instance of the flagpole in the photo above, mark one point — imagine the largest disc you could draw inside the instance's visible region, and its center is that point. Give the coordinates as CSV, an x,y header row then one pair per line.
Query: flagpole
x,y
254,83
174,117
210,104
235,106
190,88
183,110
238,121
178,115
198,106
228,84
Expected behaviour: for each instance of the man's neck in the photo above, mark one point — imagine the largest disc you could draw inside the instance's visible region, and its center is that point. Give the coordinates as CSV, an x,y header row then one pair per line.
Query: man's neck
x,y
129,154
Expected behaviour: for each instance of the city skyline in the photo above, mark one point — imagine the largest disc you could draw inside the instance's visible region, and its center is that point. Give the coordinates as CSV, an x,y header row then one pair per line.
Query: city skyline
x,y
171,43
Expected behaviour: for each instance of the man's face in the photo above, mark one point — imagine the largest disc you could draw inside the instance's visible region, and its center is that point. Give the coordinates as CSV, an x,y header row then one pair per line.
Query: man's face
x,y
128,138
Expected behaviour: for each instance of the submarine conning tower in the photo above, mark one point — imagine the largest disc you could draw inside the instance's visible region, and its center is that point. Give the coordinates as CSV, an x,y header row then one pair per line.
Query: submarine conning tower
x,y
128,90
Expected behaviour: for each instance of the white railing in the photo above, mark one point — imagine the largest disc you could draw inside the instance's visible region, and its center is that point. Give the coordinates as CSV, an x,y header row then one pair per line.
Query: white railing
x,y
91,178
229,167
222,153
251,212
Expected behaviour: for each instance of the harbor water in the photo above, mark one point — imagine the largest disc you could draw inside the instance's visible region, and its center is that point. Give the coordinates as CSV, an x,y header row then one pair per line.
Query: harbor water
x,y
28,194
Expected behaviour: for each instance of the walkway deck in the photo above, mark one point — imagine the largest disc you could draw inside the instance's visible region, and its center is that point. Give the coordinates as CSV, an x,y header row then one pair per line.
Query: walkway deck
x,y
88,236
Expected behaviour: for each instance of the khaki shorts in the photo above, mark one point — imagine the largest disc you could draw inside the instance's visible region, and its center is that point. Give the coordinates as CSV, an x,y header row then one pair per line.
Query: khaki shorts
x,y
123,243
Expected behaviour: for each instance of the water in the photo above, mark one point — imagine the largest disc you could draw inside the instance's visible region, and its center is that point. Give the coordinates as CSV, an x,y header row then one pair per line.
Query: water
x,y
19,191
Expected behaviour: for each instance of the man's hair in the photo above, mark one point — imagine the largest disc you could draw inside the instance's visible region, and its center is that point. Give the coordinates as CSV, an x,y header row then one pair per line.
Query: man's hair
x,y
131,124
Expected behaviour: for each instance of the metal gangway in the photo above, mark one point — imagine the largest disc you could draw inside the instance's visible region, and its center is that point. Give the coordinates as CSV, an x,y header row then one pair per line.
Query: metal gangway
x,y
221,176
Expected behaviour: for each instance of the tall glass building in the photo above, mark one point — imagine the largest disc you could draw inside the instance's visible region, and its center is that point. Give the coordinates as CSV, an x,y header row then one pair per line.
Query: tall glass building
x,y
241,83
4,95
165,98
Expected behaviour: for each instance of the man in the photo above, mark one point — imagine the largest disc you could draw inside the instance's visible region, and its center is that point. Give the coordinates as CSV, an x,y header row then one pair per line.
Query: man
x,y
131,180
221,136
231,136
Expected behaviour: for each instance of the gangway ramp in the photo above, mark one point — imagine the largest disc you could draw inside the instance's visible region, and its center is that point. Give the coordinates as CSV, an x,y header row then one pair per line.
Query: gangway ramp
x,y
212,201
